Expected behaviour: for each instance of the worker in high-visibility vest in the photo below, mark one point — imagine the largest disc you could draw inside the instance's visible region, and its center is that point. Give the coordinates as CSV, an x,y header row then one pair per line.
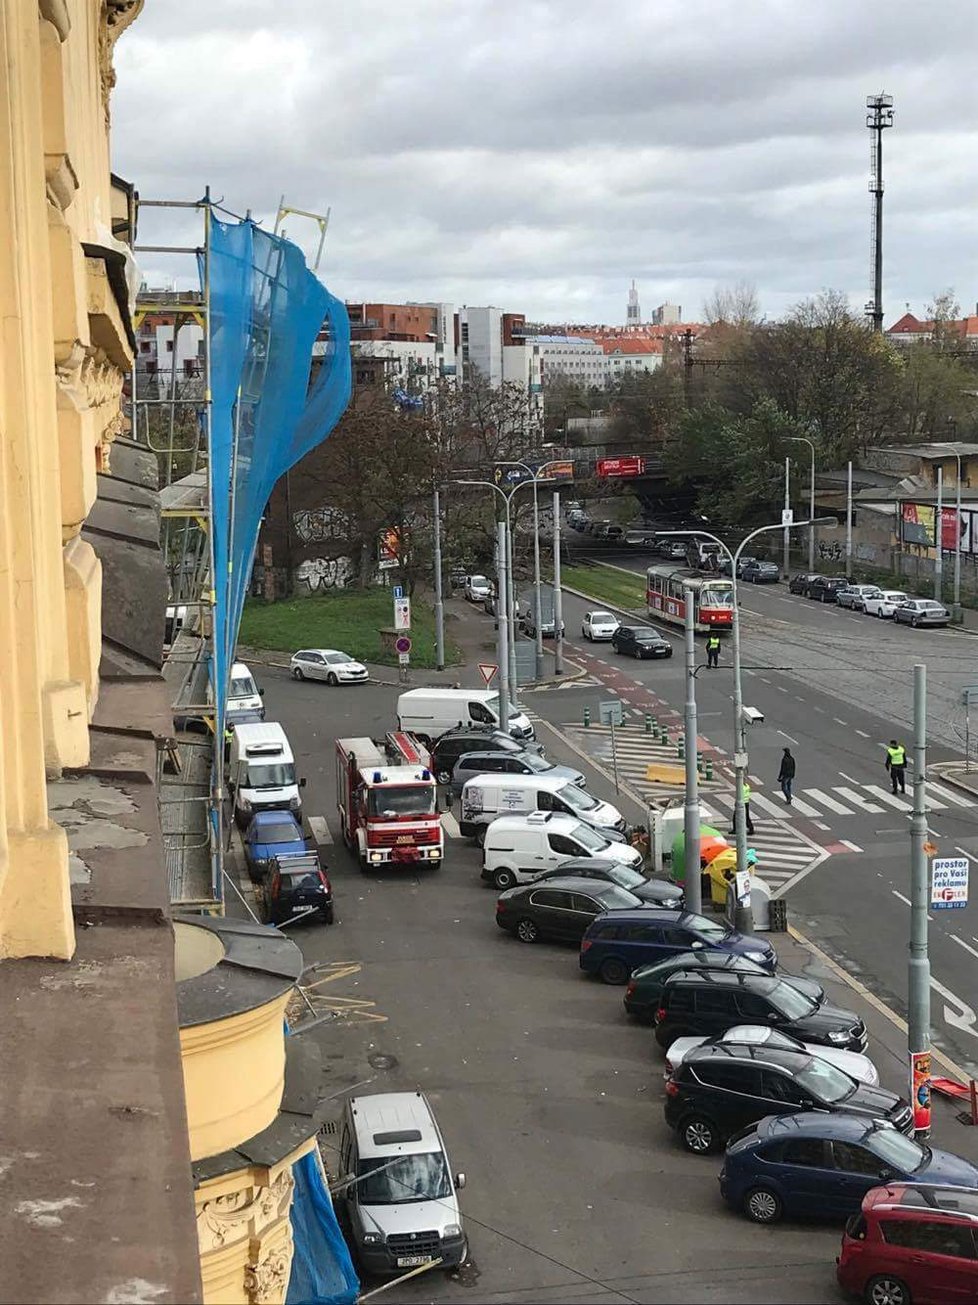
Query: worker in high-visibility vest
x,y
712,650
896,764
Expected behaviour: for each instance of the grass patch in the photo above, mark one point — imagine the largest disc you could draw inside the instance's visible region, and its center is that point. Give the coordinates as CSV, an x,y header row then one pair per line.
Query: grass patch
x,y
606,584
348,619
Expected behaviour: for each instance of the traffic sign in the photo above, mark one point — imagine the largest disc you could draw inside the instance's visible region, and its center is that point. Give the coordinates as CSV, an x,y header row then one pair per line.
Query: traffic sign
x,y
398,591
487,670
402,613
787,516
402,644
404,659
949,882
612,712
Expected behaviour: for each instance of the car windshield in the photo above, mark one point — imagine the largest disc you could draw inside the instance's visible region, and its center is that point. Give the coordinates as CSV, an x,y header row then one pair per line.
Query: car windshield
x,y
706,928
790,1002
242,686
401,800
589,839
897,1150
576,798
408,1178
337,658
646,636
276,774
281,831
535,763
478,581
825,1081
602,618
613,898
716,596
625,877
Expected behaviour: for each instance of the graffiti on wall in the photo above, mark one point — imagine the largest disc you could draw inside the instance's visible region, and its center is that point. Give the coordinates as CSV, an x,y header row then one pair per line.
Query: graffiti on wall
x,y
317,525
318,573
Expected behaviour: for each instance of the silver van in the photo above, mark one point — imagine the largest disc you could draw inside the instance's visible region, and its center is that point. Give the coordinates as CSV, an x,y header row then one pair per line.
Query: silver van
x,y
397,1193
486,797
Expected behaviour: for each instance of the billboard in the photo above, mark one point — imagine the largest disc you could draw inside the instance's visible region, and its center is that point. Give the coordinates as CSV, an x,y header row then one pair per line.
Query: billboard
x,y
633,465
389,548
918,521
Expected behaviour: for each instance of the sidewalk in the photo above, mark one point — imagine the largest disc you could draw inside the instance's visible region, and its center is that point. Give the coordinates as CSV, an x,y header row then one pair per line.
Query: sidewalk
x,y
956,774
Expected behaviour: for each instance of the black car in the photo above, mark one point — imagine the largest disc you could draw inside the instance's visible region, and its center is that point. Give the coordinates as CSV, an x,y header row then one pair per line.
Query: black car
x,y
646,984
760,573
654,892
720,1090
798,584
298,886
640,641
702,1004
447,749
562,908
823,588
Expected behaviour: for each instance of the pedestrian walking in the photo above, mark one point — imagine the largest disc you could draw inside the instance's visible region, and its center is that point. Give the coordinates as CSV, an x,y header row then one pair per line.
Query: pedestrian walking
x,y
896,764
713,650
748,823
786,774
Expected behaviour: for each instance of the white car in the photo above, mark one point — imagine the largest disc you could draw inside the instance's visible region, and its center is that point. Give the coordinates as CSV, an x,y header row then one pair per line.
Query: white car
x,y
884,604
858,1067
477,588
327,664
599,625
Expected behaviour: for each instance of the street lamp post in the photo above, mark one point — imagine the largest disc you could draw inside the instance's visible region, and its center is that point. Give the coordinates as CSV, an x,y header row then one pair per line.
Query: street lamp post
x,y
745,920
534,479
803,439
504,604
956,606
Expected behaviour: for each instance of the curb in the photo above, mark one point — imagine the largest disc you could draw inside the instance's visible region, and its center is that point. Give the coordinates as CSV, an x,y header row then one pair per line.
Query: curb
x,y
952,777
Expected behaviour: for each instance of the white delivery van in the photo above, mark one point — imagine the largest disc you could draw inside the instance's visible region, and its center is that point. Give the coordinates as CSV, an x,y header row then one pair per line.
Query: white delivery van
x,y
244,696
429,713
485,798
262,771
519,848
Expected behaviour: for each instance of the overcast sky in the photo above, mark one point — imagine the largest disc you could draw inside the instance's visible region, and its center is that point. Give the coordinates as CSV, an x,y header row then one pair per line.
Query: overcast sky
x,y
540,155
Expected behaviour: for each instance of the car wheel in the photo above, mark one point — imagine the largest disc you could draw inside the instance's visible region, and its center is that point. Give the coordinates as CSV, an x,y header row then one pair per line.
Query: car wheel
x,y
527,932
699,1134
503,879
613,971
297,673
327,914
332,680
443,776
762,1205
914,622
884,1289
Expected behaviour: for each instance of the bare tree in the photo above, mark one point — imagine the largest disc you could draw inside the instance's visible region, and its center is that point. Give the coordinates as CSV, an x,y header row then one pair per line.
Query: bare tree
x,y
732,305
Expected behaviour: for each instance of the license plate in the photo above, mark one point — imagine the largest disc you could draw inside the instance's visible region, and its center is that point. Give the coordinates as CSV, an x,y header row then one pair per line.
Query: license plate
x,y
403,838
411,1261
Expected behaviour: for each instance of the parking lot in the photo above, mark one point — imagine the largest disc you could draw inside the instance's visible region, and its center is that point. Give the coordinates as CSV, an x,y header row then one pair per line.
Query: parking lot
x,y
550,1099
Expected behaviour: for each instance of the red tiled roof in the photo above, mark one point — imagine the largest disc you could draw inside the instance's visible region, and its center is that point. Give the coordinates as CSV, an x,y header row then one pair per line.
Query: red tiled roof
x,y
631,345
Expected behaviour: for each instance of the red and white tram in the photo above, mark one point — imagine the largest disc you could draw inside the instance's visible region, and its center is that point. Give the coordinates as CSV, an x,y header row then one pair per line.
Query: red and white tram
x,y
712,597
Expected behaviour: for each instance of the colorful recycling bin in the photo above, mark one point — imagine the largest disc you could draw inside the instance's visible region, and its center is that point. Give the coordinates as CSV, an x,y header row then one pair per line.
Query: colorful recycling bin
x,y
712,842
721,871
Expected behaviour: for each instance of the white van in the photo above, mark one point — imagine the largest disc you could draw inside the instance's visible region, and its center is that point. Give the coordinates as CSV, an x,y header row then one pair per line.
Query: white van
x,y
397,1189
485,798
519,848
262,771
428,713
244,696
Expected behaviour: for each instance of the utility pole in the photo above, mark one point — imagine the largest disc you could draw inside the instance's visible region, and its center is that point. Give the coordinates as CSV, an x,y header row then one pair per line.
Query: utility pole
x,y
439,605
939,539
879,117
786,565
918,1024
849,521
558,598
502,623
687,338
538,612
693,889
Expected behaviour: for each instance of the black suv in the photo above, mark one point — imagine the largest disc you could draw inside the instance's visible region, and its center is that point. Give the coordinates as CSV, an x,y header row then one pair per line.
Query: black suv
x,y
447,749
823,588
703,1003
720,1090
640,641
798,584
298,886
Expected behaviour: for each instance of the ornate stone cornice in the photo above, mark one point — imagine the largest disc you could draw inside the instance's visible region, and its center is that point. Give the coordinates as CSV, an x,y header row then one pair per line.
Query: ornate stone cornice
x,y
114,17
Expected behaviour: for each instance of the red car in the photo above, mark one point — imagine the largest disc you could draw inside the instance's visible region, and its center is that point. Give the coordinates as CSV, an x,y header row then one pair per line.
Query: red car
x,y
912,1245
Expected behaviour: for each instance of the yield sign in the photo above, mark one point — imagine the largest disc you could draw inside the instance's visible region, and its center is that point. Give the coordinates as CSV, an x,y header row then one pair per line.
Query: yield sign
x,y
488,670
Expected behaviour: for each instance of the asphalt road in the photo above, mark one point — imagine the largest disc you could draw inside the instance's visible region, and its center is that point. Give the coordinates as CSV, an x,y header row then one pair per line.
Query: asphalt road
x,y
834,686
550,1099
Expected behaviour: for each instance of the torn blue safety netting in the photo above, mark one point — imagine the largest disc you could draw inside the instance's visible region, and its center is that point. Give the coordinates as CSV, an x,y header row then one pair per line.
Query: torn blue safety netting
x,y
266,311
322,1271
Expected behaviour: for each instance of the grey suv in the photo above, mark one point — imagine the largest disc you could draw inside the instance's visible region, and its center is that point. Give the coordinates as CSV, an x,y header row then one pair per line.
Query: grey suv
x,y
509,763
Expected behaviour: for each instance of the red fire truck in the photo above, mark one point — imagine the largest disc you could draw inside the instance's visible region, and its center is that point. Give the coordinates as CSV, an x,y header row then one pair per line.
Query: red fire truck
x,y
387,800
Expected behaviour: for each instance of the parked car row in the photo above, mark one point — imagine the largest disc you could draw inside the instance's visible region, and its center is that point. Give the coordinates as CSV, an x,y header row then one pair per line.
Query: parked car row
x,y
887,604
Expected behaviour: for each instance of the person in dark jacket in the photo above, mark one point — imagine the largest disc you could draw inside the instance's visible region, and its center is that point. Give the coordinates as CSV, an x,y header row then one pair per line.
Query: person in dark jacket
x,y
786,775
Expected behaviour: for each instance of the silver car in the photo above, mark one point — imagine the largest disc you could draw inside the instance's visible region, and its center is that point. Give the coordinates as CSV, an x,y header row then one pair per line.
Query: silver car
x,y
921,611
509,763
855,596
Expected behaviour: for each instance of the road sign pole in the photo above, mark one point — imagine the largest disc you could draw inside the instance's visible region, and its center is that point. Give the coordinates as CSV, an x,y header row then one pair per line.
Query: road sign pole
x,y
614,755
918,1024
691,813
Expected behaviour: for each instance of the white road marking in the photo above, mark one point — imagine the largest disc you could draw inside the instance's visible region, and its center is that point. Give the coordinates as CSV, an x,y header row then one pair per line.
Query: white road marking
x,y
320,829
765,804
765,679
450,825
820,710
848,778
956,798
891,800
961,943
853,847
781,688
817,795
789,738
858,800
840,722
906,900
862,734
819,823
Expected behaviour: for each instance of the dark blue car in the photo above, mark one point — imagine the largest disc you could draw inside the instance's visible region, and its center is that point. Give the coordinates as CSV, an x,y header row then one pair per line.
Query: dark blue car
x,y
817,1165
618,942
271,834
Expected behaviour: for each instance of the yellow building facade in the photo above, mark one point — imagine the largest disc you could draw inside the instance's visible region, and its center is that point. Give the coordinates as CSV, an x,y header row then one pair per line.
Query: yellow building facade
x,y
64,349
